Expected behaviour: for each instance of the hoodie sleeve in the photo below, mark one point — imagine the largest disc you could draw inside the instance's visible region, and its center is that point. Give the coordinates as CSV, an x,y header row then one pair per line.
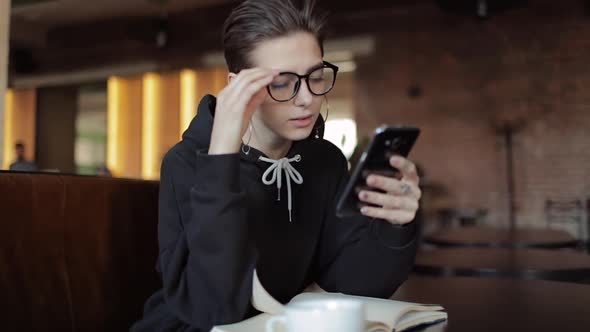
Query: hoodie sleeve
x,y
363,256
206,259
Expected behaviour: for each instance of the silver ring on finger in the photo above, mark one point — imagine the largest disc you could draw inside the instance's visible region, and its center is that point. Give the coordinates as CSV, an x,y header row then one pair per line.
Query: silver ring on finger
x,y
405,188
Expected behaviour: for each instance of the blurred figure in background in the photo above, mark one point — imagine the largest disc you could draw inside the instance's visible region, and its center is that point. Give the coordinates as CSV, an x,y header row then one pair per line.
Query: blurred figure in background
x,y
22,164
104,171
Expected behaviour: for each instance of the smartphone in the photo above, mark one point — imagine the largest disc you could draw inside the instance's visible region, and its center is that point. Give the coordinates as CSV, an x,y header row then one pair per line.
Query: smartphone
x,y
386,142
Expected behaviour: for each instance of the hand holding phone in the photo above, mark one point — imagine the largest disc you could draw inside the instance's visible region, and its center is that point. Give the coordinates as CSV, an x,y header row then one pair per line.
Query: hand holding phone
x,y
386,143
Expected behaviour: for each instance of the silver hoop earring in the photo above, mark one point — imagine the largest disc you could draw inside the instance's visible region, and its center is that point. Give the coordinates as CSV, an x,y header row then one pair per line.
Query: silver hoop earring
x,y
327,108
317,129
247,144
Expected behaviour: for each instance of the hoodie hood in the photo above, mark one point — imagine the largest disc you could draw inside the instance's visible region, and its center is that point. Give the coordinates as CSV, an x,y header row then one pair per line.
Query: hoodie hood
x,y
199,131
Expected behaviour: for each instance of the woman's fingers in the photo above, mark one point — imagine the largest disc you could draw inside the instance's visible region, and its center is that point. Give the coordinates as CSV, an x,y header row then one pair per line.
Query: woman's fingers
x,y
389,201
247,83
394,186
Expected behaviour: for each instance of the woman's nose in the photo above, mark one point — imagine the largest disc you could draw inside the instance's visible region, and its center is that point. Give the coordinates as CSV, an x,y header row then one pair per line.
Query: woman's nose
x,y
304,96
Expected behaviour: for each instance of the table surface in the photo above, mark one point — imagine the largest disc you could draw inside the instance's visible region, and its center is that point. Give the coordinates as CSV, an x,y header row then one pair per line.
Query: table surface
x,y
564,265
483,236
496,304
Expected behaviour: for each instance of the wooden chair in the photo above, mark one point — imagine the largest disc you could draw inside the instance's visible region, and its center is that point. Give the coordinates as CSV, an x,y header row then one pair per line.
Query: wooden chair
x,y
567,215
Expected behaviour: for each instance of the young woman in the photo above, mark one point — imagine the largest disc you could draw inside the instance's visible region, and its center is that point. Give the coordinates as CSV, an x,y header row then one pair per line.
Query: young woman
x,y
252,185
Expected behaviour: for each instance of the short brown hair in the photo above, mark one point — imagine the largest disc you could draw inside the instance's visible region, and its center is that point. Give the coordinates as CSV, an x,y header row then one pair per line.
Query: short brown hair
x,y
255,21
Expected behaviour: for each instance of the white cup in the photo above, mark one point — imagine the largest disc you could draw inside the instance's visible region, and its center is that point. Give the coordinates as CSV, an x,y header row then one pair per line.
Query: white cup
x,y
320,316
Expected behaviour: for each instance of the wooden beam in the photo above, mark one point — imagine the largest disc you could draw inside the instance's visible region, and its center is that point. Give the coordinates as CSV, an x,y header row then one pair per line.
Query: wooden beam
x,y
124,116
160,120
4,45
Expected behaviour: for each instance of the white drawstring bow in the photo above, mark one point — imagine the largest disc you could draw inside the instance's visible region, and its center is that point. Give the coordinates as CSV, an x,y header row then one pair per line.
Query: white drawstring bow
x,y
276,168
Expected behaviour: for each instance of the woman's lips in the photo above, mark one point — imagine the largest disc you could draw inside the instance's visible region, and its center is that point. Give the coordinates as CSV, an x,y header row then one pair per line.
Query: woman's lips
x,y
302,122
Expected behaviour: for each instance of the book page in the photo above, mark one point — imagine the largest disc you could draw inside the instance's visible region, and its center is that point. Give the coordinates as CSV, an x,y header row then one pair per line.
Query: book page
x,y
415,318
262,300
382,315
385,311
376,327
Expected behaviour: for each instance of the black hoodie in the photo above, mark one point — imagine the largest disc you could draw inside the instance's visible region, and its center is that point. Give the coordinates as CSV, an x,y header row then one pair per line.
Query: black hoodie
x,y
218,222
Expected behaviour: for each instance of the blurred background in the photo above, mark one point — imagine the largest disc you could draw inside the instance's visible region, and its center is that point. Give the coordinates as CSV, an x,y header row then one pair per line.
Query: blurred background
x,y
499,89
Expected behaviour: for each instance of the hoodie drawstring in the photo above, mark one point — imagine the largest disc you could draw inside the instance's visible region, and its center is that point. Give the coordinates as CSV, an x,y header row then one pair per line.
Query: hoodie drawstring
x,y
276,168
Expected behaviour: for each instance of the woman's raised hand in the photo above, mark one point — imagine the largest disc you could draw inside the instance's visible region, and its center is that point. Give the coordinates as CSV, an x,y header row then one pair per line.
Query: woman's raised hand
x,y
235,105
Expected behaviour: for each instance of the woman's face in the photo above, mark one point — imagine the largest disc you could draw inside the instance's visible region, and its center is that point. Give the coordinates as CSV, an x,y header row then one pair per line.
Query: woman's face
x,y
294,119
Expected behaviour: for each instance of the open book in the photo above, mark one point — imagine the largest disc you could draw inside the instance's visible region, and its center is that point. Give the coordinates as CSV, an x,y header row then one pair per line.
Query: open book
x,y
382,315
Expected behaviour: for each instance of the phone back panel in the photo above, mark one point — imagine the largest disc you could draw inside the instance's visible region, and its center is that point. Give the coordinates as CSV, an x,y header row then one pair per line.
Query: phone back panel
x,y
387,142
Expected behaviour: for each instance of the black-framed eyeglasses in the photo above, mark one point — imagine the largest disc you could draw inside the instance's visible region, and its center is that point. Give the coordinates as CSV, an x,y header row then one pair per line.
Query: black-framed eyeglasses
x,y
319,80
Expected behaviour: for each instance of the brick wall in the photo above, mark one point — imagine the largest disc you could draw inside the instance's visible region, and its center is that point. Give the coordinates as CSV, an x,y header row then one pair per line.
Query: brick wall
x,y
529,67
